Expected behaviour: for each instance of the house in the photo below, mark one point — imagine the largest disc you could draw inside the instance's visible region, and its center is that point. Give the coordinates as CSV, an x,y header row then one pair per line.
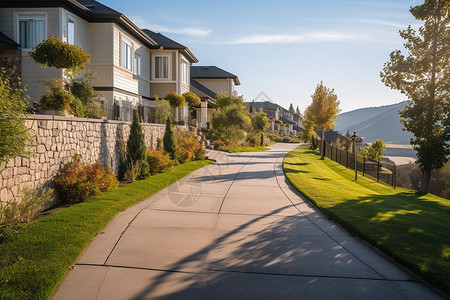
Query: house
x,y
132,65
170,69
282,120
207,82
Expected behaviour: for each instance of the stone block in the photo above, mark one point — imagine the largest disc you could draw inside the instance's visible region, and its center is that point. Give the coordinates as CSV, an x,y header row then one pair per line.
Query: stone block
x,y
15,191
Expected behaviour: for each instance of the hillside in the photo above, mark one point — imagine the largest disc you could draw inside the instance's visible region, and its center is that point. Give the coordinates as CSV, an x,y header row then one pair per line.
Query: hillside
x,y
375,122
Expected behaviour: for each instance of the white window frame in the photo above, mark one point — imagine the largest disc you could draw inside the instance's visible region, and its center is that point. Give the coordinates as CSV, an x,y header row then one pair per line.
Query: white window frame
x,y
126,59
69,36
137,63
27,16
184,72
168,66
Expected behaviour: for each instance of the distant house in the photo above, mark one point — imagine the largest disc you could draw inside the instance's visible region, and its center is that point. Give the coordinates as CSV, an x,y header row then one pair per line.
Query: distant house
x,y
207,82
277,114
331,135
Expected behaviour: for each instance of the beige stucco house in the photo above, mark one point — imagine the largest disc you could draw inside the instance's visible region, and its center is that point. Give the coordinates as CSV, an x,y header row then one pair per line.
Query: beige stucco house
x,y
131,65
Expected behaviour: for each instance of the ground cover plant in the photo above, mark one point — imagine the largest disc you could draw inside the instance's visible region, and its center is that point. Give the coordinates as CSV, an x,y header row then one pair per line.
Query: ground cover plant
x,y
34,257
247,149
411,227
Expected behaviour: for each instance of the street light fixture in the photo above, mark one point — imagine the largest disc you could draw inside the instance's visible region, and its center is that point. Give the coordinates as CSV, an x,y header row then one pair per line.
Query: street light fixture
x,y
355,138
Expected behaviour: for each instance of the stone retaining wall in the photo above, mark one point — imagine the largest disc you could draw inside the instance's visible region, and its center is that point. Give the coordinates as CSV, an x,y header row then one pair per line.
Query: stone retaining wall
x,y
56,140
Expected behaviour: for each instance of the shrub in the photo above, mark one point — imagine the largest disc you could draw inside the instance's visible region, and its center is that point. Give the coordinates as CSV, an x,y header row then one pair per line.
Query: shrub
x,y
59,97
192,99
175,100
188,146
136,150
78,180
24,211
14,133
169,140
158,160
162,111
83,90
53,52
133,171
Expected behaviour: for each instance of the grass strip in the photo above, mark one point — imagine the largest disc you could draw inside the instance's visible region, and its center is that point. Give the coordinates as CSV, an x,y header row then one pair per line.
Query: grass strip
x,y
411,227
247,149
34,257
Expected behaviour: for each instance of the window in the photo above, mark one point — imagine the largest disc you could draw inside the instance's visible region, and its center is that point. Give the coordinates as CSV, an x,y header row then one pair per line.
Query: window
x,y
162,67
137,64
31,30
125,56
184,72
71,32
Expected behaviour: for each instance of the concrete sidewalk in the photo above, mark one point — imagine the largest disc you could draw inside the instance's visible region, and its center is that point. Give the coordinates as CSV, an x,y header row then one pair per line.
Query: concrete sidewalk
x,y
233,230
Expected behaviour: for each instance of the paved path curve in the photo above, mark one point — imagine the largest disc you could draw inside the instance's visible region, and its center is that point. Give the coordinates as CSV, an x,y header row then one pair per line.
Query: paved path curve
x,y
232,230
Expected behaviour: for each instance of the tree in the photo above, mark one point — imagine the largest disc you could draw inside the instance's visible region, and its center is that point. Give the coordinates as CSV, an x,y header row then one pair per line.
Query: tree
x,y
322,111
291,109
163,110
169,140
260,123
136,150
175,100
192,99
376,150
423,77
224,100
297,111
14,133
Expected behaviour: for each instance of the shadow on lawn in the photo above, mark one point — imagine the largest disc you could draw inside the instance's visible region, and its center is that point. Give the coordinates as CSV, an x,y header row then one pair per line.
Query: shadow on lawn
x,y
409,227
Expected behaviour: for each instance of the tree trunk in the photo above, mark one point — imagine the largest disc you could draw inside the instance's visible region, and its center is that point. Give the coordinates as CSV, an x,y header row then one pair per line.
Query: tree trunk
x,y
425,181
322,146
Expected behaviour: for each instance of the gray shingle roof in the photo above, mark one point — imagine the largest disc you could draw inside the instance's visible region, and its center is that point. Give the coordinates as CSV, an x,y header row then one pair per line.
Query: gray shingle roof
x,y
96,7
266,105
210,72
330,135
6,42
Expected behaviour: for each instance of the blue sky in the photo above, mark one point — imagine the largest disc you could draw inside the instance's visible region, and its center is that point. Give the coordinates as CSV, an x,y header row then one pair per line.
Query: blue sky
x,y
285,48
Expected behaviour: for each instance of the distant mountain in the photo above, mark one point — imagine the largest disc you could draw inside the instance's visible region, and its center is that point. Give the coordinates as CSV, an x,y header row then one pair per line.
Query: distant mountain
x,y
373,123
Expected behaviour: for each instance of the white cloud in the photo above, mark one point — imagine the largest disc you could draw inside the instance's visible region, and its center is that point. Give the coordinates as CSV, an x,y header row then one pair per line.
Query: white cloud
x,y
379,22
291,38
192,31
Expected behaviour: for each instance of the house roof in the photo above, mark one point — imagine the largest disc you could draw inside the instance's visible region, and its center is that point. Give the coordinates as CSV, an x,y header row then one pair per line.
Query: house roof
x,y
266,105
6,42
212,72
90,10
331,135
286,120
203,89
166,43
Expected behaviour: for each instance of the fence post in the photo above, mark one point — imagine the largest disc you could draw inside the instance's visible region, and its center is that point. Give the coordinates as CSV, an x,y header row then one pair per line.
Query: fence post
x,y
346,163
395,176
378,172
364,166
331,152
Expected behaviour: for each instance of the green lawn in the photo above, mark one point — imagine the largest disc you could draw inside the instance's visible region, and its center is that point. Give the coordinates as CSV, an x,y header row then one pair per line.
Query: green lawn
x,y
247,149
34,257
412,228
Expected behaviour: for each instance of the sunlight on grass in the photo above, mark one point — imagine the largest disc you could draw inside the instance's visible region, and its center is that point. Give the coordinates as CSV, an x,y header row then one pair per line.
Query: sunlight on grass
x,y
247,149
412,228
381,217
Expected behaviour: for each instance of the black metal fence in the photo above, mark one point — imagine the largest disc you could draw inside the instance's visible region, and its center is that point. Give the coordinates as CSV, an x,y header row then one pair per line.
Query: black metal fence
x,y
405,176
381,171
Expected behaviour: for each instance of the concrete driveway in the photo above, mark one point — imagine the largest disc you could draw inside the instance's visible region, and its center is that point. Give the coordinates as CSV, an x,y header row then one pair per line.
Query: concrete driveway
x,y
233,230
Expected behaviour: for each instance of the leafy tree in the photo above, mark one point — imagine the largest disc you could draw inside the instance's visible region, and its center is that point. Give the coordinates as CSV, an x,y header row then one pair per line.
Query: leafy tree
x,y
308,127
192,99
323,110
163,110
291,109
260,123
423,77
224,100
229,122
14,133
376,150
175,100
169,140
136,150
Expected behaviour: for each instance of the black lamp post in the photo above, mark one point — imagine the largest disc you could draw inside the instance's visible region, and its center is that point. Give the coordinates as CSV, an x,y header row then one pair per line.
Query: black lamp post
x,y
355,138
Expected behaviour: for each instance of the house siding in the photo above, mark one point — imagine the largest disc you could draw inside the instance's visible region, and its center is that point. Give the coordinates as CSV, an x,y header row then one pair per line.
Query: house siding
x,y
162,89
216,85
